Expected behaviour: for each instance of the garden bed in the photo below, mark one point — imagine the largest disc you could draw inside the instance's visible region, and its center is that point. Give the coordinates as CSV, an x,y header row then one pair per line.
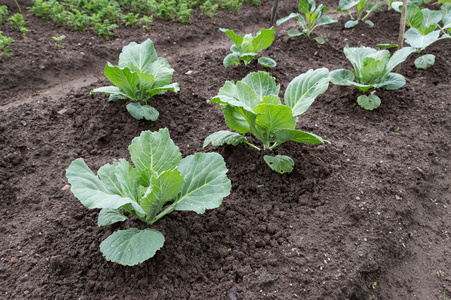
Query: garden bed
x,y
365,217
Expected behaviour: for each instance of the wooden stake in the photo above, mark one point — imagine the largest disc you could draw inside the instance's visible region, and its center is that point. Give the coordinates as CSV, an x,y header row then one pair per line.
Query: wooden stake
x,y
402,29
273,14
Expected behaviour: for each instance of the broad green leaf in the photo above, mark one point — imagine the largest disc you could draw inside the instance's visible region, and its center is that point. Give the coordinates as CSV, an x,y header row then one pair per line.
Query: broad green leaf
x,y
397,5
374,6
414,16
262,84
279,163
155,151
146,81
236,39
347,4
109,216
446,12
431,17
398,57
425,61
416,39
369,102
127,177
246,45
271,99
122,78
132,246
342,77
274,117
294,32
220,137
235,49
139,111
174,87
161,71
247,95
297,136
223,100
373,71
302,90
304,6
206,183
237,118
267,62
392,81
319,40
108,176
356,56
263,40
111,89
326,20
232,59
138,57
291,16
382,55
162,190
369,22
92,192
351,24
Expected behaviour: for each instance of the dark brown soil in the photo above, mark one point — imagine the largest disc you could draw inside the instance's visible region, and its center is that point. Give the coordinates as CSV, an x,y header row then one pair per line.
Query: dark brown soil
x,y
366,217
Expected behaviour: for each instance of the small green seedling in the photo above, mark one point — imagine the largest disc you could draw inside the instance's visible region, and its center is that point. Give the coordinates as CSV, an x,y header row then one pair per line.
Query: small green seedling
x,y
361,6
17,23
130,19
3,13
372,69
59,40
247,48
5,41
159,183
140,75
313,17
104,29
145,21
253,105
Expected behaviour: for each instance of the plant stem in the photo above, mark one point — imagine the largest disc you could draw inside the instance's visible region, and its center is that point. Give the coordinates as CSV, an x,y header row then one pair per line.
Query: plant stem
x,y
253,146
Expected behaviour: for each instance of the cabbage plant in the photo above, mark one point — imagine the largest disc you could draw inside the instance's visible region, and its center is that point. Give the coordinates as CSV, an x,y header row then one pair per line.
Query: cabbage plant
x,y
361,7
253,105
313,17
247,47
372,69
159,183
140,75
426,27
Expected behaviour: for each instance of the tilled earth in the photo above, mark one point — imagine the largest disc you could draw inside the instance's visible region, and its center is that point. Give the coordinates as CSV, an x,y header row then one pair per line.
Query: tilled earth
x,y
366,217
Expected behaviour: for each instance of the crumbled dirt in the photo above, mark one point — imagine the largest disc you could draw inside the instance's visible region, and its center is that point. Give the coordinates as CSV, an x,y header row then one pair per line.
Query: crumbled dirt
x,y
366,217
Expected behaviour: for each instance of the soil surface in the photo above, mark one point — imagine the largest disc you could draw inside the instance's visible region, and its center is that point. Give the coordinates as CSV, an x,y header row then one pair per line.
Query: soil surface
x,y
365,217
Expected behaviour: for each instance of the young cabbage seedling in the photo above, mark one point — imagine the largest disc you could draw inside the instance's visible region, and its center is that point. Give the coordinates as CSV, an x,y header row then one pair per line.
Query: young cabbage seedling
x,y
3,13
247,48
59,40
313,17
372,69
252,105
159,183
18,23
140,75
425,29
4,44
361,6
